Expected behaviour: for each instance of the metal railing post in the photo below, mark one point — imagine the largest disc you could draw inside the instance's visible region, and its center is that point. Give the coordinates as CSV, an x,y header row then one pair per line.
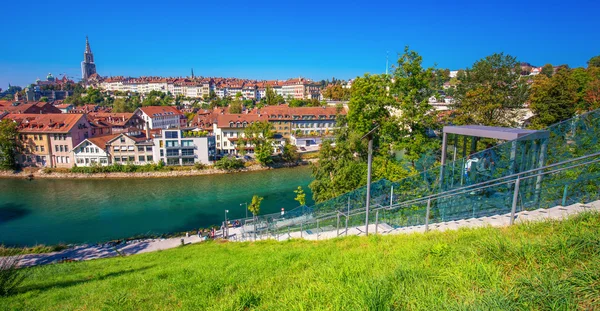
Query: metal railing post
x,y
427,215
301,235
317,229
338,224
347,215
564,199
376,220
514,201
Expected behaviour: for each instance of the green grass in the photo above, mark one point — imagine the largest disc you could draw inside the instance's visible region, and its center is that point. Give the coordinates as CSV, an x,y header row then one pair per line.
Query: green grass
x,y
537,266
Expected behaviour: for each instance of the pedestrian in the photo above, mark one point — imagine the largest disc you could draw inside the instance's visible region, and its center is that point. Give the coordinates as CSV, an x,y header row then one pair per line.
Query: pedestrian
x,y
468,166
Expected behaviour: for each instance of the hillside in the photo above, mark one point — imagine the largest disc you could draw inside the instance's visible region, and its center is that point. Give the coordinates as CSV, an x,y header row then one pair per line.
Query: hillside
x,y
535,266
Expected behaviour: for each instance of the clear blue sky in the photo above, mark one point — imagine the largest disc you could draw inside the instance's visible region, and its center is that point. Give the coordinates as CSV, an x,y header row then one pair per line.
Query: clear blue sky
x,y
277,40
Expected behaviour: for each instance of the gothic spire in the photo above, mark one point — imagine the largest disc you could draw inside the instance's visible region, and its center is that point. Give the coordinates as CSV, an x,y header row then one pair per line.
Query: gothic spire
x,y
87,45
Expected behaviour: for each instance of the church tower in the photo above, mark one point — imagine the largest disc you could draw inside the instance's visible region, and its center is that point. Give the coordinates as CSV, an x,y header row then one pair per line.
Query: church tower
x,y
88,67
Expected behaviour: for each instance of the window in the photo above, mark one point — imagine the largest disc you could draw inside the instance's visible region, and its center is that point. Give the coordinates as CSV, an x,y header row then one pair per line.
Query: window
x,y
131,158
56,148
124,159
172,153
187,152
79,161
171,134
36,148
87,150
97,151
224,144
172,143
117,159
148,148
162,153
142,159
140,148
149,158
117,148
42,148
122,140
103,160
172,161
187,161
187,143
68,160
67,149
130,148
61,148
87,160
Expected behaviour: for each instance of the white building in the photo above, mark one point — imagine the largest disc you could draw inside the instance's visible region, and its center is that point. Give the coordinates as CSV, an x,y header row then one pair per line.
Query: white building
x,y
162,117
184,147
93,151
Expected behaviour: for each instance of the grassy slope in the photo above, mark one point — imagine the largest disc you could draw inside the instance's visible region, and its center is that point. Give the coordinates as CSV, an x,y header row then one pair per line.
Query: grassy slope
x,y
552,266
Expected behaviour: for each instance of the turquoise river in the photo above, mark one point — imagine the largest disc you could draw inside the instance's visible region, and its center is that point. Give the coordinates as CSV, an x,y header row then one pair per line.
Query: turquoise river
x,y
51,211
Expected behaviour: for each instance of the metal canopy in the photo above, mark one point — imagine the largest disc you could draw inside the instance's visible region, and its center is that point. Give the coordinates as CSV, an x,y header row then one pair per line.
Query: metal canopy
x,y
503,133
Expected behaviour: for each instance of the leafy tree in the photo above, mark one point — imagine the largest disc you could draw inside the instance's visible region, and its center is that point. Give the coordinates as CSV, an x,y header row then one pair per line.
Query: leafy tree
x,y
235,106
270,96
263,153
594,62
412,88
44,99
290,153
336,92
491,92
8,144
553,99
254,206
547,70
300,196
592,95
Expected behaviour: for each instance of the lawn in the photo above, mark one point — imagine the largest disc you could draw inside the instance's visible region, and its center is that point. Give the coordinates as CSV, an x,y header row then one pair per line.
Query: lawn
x,y
536,266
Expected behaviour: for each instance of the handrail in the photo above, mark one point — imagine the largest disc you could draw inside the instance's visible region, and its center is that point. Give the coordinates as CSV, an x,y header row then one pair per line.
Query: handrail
x,y
467,189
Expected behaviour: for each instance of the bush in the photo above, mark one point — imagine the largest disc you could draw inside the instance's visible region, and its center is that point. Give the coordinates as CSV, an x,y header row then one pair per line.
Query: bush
x,y
199,166
229,164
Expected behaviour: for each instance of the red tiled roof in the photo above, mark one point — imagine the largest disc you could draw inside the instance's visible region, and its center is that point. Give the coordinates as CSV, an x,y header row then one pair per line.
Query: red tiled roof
x,y
223,120
101,141
45,123
160,110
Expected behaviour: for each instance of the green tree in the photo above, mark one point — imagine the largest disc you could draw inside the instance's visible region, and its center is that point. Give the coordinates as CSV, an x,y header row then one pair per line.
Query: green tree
x,y
235,106
491,92
254,206
547,70
44,99
270,96
300,196
594,61
8,144
263,153
412,88
553,99
290,153
229,164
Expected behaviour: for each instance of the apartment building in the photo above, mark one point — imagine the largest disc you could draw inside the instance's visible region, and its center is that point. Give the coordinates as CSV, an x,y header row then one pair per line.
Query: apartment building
x,y
93,151
229,129
135,147
161,117
48,139
184,146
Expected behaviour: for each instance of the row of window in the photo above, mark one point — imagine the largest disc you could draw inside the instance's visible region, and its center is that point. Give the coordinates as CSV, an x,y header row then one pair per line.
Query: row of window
x,y
61,148
62,160
60,136
39,148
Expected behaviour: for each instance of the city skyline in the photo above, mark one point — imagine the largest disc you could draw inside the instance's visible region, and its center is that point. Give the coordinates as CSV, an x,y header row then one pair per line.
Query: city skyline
x,y
341,40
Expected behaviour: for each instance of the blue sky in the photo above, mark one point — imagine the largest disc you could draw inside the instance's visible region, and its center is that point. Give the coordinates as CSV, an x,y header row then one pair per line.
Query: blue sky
x,y
277,40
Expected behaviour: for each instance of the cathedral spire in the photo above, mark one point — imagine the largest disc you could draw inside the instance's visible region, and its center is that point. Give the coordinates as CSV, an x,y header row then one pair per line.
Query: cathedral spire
x,y
87,45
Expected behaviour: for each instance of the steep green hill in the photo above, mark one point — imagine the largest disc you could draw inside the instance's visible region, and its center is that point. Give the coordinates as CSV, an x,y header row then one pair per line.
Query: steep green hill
x,y
538,266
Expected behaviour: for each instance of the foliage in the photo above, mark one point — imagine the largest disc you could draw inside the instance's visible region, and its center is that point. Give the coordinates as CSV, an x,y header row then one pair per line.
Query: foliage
x,y
129,104
10,274
120,168
300,196
336,92
200,133
491,92
270,96
157,98
594,61
553,99
229,164
532,266
547,70
412,88
8,144
290,153
235,106
260,135
254,206
305,102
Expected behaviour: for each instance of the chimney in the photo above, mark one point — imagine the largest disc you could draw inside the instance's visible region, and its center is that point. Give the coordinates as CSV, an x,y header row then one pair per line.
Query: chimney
x,y
147,131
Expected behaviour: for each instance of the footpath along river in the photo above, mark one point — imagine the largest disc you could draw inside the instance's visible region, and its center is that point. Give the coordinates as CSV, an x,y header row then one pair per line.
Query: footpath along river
x,y
52,211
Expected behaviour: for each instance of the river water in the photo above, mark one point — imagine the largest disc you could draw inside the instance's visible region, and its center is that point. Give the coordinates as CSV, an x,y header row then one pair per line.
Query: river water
x,y
51,211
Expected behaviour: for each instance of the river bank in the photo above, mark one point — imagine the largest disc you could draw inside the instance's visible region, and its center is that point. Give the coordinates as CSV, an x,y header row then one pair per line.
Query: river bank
x,y
175,172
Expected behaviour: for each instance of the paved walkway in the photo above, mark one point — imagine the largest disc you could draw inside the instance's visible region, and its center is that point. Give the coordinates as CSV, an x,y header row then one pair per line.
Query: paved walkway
x,y
87,252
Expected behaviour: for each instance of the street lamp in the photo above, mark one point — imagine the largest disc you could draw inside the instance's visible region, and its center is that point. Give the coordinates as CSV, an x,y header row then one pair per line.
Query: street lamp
x,y
369,135
226,227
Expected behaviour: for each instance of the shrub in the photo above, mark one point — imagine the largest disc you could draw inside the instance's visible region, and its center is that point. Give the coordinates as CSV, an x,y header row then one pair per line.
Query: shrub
x,y
229,164
199,166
